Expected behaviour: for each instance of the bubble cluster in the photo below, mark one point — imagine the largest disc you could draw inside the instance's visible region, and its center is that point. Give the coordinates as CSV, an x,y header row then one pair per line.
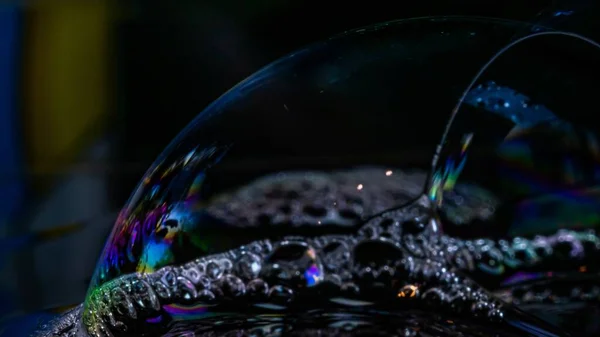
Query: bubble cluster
x,y
401,261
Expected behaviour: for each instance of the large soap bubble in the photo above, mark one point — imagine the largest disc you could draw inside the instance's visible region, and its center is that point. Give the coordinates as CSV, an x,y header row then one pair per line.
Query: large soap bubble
x,y
531,143
310,184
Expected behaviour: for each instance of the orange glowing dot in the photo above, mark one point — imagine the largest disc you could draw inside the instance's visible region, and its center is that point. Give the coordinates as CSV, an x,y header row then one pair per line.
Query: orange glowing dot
x,y
583,269
408,291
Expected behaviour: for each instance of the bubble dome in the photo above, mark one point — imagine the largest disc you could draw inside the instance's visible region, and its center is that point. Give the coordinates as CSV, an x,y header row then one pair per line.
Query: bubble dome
x,y
346,174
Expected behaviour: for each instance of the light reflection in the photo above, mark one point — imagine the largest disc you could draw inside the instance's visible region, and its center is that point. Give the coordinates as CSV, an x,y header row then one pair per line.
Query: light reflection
x,y
180,312
313,274
408,291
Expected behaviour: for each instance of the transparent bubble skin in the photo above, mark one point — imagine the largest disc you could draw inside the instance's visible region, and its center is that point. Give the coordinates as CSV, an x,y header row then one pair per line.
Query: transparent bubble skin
x,y
276,159
311,105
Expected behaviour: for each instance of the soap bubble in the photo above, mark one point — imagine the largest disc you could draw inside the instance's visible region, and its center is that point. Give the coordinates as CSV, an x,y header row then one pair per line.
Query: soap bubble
x,y
529,141
530,144
281,191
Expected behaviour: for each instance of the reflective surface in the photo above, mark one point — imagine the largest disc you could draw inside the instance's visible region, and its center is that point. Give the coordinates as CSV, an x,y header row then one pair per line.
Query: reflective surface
x,y
310,186
529,147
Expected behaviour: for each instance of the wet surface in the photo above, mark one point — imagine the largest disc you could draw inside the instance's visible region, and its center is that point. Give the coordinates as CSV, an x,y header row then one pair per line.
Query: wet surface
x,y
580,319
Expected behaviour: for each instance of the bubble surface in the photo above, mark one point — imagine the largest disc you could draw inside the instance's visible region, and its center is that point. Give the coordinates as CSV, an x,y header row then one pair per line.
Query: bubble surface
x,y
280,150
536,156
310,185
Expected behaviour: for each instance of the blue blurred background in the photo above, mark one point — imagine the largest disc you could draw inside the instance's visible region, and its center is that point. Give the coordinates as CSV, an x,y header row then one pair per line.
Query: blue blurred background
x,y
91,91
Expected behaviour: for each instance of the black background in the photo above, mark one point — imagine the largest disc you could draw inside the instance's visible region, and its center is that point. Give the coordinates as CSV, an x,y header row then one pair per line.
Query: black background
x,y
173,60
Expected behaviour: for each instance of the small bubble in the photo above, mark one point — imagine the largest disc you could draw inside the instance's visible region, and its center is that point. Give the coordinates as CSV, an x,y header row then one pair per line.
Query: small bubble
x,y
213,270
281,295
248,266
232,286
294,263
257,289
